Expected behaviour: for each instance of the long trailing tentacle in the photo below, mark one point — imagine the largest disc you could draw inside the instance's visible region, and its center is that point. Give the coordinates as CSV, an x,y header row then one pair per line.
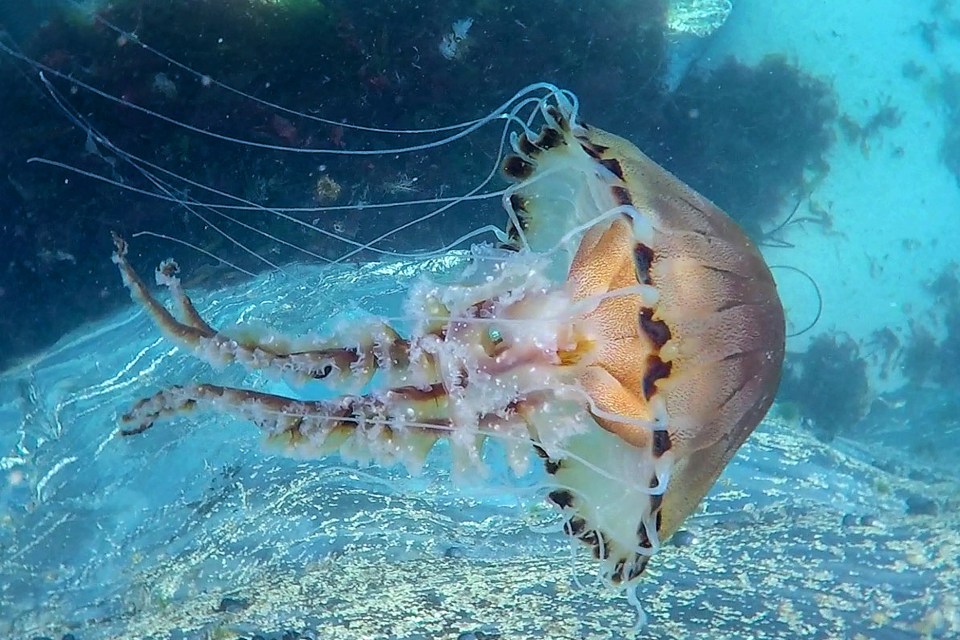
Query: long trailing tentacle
x,y
359,427
400,425
377,345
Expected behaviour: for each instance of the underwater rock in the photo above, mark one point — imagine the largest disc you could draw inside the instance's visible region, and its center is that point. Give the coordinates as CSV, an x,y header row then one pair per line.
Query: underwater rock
x,y
683,538
454,551
700,18
850,520
689,25
487,632
921,506
868,521
232,605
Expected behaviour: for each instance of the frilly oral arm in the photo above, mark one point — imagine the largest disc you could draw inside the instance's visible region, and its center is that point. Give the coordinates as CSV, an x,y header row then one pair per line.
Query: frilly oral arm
x,y
376,343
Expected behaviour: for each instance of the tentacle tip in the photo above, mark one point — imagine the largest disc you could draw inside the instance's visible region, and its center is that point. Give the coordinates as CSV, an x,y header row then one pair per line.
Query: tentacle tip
x,y
134,428
120,247
134,431
167,272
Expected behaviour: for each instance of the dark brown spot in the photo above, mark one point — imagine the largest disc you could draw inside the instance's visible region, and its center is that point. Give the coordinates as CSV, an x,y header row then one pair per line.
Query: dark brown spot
x,y
552,466
656,330
642,261
574,526
638,567
516,167
517,202
549,138
618,576
659,520
591,150
643,537
527,148
621,195
605,543
600,544
522,218
514,237
655,500
657,369
561,497
555,113
661,442
613,166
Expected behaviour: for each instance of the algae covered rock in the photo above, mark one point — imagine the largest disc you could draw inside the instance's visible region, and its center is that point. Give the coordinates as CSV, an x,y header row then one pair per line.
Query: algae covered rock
x,y
697,17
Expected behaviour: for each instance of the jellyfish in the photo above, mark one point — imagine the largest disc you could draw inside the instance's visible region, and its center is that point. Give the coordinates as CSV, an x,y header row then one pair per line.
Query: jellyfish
x,y
614,325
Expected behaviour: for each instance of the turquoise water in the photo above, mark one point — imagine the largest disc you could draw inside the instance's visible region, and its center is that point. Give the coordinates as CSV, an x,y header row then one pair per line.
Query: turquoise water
x,y
837,519
191,529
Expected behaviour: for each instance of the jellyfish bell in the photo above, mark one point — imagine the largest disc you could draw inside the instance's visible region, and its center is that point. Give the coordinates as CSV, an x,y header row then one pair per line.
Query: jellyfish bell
x,y
617,325
686,367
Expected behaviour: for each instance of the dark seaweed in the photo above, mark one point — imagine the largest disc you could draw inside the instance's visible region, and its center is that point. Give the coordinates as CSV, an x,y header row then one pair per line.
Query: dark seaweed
x,y
827,384
932,352
742,135
950,145
771,122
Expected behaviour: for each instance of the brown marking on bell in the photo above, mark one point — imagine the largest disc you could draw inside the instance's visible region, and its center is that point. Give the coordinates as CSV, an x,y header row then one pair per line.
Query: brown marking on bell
x,y
656,370
590,537
551,466
621,196
613,166
661,442
516,167
618,576
557,115
598,543
656,330
574,526
526,147
642,261
561,497
655,499
513,236
592,150
517,202
638,568
549,138
643,537
604,545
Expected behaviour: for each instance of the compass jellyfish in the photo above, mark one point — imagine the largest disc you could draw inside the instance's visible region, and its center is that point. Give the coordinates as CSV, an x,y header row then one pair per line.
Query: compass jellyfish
x,y
622,329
